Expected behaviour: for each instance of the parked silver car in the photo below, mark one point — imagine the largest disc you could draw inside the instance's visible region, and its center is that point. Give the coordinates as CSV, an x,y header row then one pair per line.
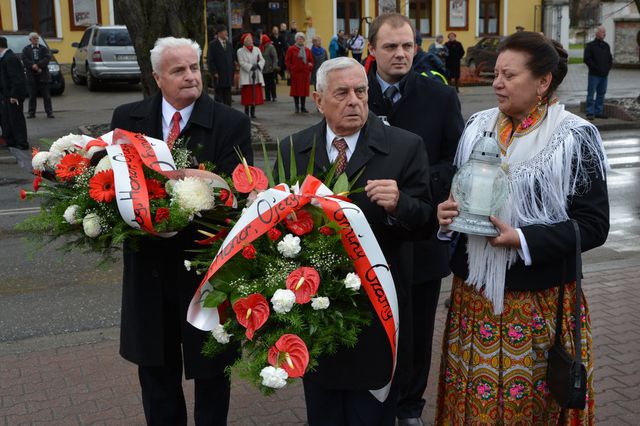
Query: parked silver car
x,y
105,53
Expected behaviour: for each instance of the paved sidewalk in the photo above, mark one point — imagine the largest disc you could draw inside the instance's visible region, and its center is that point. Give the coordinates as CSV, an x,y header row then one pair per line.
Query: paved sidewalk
x,y
65,383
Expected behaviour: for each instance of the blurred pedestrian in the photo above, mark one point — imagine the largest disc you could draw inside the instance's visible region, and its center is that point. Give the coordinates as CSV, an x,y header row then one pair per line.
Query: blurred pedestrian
x,y
319,56
221,65
597,56
270,69
438,48
456,52
251,79
356,45
290,35
428,64
13,91
278,43
36,57
299,62
338,46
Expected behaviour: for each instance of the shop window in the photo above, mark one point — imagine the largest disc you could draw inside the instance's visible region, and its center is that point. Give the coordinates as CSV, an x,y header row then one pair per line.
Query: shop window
x,y
36,15
420,16
349,14
489,17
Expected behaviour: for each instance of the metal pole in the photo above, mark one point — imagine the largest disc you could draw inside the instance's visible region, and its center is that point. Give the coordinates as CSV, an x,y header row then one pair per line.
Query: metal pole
x,y
229,21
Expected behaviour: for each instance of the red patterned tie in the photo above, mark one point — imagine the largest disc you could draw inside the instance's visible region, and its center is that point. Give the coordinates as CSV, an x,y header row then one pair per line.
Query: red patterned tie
x,y
174,132
341,145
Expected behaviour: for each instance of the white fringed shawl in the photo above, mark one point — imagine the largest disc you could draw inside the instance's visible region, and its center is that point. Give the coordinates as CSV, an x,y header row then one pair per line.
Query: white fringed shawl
x,y
545,168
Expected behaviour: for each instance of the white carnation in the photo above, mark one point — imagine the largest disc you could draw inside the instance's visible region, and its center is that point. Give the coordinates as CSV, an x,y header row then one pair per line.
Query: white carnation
x,y
352,281
54,158
91,225
283,300
220,334
318,303
67,143
193,194
71,214
187,265
274,377
289,246
40,160
103,165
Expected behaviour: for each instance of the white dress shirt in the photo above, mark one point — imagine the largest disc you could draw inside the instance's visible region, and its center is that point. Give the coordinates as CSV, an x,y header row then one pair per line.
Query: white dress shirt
x,y
332,151
167,115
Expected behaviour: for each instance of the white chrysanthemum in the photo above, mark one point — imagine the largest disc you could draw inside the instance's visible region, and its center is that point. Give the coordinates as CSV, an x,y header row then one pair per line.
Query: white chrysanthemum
x,y
71,214
193,194
67,143
352,281
318,303
283,300
187,265
289,246
91,225
40,160
103,165
273,377
220,334
54,158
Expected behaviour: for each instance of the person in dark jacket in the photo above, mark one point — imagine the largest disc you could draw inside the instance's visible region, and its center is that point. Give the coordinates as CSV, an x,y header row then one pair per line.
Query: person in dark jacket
x,y
13,91
428,64
597,56
221,65
432,111
35,58
157,289
456,52
278,43
319,56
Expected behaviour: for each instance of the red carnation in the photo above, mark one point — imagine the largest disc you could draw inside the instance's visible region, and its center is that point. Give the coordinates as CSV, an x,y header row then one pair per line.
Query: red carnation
x,y
291,354
304,282
251,312
246,184
155,188
162,214
326,230
249,252
23,194
71,166
300,222
102,187
223,194
36,183
274,234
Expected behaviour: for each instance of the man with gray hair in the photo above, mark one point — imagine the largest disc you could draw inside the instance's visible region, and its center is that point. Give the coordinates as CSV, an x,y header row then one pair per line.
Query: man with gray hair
x,y
397,204
597,57
157,288
36,57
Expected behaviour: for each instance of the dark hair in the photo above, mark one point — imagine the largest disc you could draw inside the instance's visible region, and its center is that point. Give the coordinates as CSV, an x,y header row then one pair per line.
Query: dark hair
x,y
3,42
396,20
545,55
220,28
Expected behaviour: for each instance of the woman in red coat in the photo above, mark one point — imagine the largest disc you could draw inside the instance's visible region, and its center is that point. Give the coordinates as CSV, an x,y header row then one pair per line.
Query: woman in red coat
x,y
299,61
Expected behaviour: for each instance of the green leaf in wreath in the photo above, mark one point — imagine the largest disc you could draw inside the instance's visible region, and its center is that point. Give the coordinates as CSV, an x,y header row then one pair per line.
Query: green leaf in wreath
x,y
214,298
280,161
341,185
293,168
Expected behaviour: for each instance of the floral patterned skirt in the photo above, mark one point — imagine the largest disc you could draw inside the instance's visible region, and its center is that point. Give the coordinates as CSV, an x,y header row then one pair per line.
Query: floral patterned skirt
x,y
493,367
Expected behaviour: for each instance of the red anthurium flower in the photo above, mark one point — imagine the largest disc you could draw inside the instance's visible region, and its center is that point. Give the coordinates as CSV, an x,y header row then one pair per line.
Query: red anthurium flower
x,y
71,166
247,178
223,194
23,194
325,230
102,187
274,234
251,312
162,214
36,183
249,252
155,189
304,282
300,222
291,354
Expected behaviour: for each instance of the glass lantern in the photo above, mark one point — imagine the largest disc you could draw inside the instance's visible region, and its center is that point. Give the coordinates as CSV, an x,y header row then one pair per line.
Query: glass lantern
x,y
479,188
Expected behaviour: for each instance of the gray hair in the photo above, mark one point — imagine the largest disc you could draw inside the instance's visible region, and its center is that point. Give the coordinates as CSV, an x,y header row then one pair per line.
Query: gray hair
x,y
335,64
32,35
165,43
300,34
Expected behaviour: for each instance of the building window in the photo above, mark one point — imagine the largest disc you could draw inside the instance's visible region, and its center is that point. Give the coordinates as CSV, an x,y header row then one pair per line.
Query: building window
x,y
349,14
489,17
36,15
420,16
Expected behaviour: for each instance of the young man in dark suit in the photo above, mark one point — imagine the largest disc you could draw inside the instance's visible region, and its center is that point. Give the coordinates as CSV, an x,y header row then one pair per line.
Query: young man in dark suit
x,y
431,110
397,204
13,90
157,288
221,65
36,57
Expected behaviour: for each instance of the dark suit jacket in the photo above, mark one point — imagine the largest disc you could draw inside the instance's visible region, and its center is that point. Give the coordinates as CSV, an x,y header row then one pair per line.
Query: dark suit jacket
x,y
431,110
220,61
43,61
13,83
157,288
385,153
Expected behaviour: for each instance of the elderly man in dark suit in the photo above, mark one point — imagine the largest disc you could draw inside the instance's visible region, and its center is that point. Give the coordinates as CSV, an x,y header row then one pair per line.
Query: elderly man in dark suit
x,y
431,110
35,58
397,204
13,90
221,65
156,287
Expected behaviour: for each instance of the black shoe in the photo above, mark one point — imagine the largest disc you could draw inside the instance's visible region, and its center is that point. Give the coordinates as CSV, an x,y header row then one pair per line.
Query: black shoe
x,y
31,115
602,116
304,111
297,110
589,116
253,116
51,115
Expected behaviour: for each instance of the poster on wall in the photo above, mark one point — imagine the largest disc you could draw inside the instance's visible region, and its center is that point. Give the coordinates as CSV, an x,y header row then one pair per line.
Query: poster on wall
x,y
85,13
457,15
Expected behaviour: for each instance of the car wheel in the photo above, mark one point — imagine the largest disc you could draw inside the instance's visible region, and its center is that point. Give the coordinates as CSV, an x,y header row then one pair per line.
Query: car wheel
x,y
92,82
77,78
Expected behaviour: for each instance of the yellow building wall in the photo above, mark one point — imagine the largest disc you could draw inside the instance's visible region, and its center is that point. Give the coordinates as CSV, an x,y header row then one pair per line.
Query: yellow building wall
x,y
5,14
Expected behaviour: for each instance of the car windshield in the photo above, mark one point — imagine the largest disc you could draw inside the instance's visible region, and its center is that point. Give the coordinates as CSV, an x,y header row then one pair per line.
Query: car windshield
x,y
112,37
18,42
